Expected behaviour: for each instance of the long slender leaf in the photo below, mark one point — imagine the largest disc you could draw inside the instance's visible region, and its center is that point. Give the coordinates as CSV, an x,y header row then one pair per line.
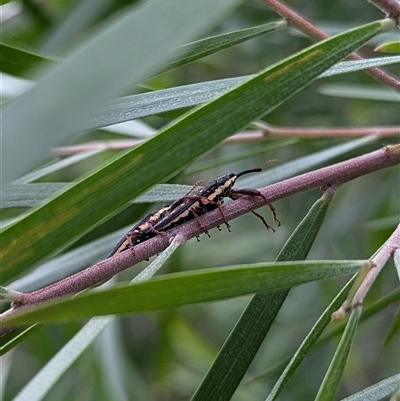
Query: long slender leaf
x,y
17,61
309,342
331,380
73,92
161,101
378,391
234,358
99,195
16,336
29,195
393,329
369,311
184,288
201,48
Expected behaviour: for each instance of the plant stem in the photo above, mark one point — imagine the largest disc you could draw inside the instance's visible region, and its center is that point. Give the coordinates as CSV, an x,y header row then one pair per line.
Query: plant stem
x,y
328,176
294,19
247,136
378,262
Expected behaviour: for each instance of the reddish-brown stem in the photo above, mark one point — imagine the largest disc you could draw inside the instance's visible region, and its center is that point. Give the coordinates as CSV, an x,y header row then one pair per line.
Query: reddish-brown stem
x,y
317,132
391,7
247,136
378,262
366,278
328,176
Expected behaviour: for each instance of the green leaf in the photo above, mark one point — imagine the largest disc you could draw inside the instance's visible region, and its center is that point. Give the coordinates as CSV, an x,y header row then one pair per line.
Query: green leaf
x,y
393,329
46,378
332,377
245,339
99,195
368,92
28,195
360,65
390,47
179,289
12,339
378,391
202,48
17,61
71,93
181,97
309,342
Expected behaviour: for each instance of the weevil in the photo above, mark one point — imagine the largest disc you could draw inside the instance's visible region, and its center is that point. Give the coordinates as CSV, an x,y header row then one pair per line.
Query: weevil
x,y
208,198
189,207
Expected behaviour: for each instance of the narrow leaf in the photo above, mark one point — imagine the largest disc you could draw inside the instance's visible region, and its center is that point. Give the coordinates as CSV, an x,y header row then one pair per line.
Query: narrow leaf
x,y
72,92
202,48
393,329
390,47
378,391
245,339
332,378
182,289
181,97
309,342
16,336
28,195
17,61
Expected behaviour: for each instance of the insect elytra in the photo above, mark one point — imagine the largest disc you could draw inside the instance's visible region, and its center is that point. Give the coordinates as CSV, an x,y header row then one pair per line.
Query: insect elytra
x,y
139,232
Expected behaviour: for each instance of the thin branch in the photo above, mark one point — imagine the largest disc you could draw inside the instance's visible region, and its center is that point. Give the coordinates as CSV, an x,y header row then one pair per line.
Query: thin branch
x,y
368,275
390,7
246,136
320,132
328,176
378,262
296,20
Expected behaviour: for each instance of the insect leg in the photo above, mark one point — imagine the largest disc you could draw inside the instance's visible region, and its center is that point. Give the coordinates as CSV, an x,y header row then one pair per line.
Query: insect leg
x,y
266,225
204,201
236,193
194,214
